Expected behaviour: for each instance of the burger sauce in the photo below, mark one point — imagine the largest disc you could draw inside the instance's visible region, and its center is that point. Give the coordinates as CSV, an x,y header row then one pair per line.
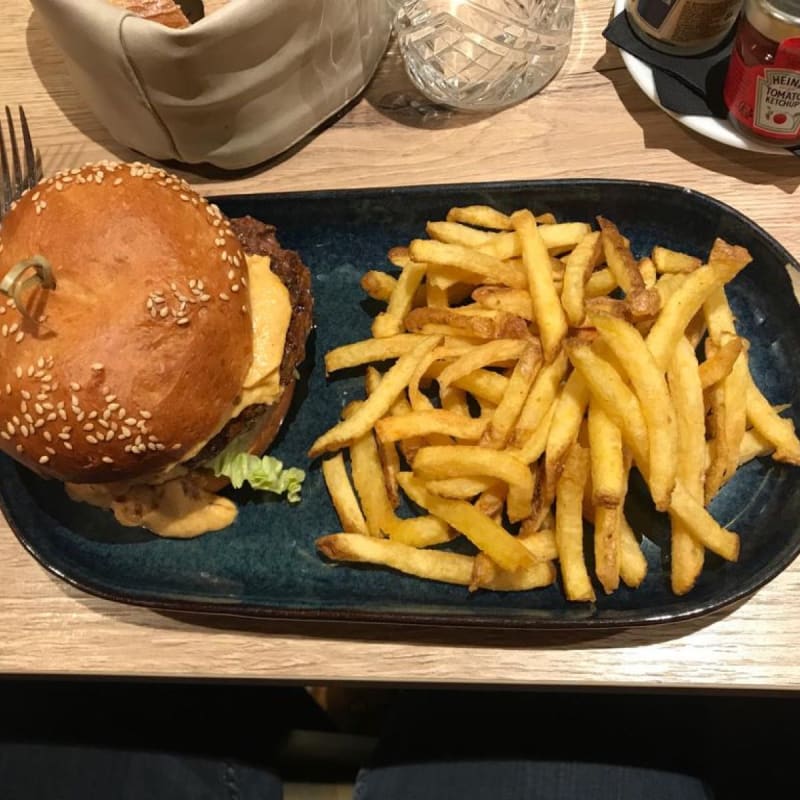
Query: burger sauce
x,y
762,86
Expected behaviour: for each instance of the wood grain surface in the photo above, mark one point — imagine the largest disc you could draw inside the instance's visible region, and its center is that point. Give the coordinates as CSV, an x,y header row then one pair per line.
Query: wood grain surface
x,y
592,121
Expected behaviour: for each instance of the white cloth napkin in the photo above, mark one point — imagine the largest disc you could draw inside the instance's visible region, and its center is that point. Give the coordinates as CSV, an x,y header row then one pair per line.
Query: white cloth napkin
x,y
238,87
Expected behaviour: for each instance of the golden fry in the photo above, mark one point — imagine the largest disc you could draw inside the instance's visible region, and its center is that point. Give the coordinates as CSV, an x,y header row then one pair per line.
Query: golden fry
x,y
685,303
683,376
580,263
514,301
508,410
607,387
375,502
540,399
601,282
671,261
434,565
632,562
425,531
702,526
719,360
480,216
547,310
569,525
643,302
464,461
609,478
485,268
378,285
492,352
369,350
650,387
342,495
377,404
426,423
607,555
570,409
482,531
390,322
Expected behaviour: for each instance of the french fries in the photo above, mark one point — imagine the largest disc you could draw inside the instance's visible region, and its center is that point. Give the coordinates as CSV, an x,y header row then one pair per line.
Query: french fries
x,y
533,364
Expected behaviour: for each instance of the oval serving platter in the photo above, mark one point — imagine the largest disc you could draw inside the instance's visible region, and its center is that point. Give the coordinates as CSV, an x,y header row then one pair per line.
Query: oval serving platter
x,y
265,565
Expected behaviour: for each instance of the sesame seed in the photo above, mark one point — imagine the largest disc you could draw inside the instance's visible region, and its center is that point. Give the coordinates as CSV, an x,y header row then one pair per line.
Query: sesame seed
x,y
107,460
63,414
102,423
23,406
50,450
48,437
235,287
18,372
64,436
91,439
223,296
23,429
38,424
98,367
117,181
5,436
44,459
52,416
38,408
145,415
89,426
110,398
183,321
76,387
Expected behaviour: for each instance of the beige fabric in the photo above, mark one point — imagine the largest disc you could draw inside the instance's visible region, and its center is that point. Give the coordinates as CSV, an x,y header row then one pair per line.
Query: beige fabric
x,y
238,87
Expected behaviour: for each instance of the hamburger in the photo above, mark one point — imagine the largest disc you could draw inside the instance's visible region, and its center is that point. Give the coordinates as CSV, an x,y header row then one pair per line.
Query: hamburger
x,y
148,345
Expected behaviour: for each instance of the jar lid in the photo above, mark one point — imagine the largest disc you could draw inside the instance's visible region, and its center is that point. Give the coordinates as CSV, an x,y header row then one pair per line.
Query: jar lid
x,y
776,19
789,8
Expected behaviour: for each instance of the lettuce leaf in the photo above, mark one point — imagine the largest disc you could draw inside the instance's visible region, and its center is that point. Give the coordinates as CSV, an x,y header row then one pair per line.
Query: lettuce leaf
x,y
265,474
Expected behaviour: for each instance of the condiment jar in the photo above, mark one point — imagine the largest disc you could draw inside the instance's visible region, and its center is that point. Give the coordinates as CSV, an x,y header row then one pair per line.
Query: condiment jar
x,y
682,27
762,86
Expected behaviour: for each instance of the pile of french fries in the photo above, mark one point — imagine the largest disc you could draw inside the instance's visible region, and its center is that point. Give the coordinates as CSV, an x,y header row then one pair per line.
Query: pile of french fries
x,y
533,364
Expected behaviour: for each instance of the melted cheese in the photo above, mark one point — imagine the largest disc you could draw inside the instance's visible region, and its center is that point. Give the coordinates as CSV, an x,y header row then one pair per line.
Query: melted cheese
x,y
173,505
177,509
271,311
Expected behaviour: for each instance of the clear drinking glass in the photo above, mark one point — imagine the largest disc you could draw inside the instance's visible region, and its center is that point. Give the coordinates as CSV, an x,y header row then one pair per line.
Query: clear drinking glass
x,y
482,55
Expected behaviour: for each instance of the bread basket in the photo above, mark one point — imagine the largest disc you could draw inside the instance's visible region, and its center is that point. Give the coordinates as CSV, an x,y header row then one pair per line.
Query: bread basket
x,y
234,89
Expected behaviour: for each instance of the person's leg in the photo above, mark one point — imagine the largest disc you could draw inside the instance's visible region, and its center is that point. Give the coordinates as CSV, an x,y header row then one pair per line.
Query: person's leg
x,y
71,772
524,780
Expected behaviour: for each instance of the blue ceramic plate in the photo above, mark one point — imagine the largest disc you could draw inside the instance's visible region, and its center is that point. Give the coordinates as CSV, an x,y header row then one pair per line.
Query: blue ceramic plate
x,y
266,565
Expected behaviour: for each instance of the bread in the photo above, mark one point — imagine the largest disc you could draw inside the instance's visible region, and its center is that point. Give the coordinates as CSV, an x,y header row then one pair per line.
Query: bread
x,y
164,11
141,350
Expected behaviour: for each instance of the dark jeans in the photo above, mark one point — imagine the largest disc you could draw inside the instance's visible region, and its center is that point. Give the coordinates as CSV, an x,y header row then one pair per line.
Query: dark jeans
x,y
524,780
68,772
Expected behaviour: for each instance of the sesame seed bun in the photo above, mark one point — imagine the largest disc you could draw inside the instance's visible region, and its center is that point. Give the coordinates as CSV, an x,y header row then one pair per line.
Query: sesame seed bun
x,y
137,357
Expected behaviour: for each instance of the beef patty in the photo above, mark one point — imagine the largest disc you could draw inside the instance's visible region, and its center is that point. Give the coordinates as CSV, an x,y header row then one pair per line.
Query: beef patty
x,y
259,239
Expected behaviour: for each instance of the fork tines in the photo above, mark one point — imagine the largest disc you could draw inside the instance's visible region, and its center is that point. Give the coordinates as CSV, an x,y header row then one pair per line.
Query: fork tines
x,y
16,179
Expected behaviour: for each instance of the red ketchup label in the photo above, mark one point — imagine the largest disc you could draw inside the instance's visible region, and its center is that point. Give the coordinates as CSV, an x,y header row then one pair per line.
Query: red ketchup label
x,y
766,97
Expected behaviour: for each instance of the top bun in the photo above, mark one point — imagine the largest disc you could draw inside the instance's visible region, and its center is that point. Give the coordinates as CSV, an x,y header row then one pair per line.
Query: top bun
x,y
138,356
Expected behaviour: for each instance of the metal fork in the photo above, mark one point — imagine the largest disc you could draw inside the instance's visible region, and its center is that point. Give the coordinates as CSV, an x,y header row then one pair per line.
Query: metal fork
x,y
16,182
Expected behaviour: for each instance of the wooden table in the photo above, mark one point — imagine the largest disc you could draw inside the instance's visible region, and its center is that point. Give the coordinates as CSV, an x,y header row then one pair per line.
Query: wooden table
x,y
591,121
